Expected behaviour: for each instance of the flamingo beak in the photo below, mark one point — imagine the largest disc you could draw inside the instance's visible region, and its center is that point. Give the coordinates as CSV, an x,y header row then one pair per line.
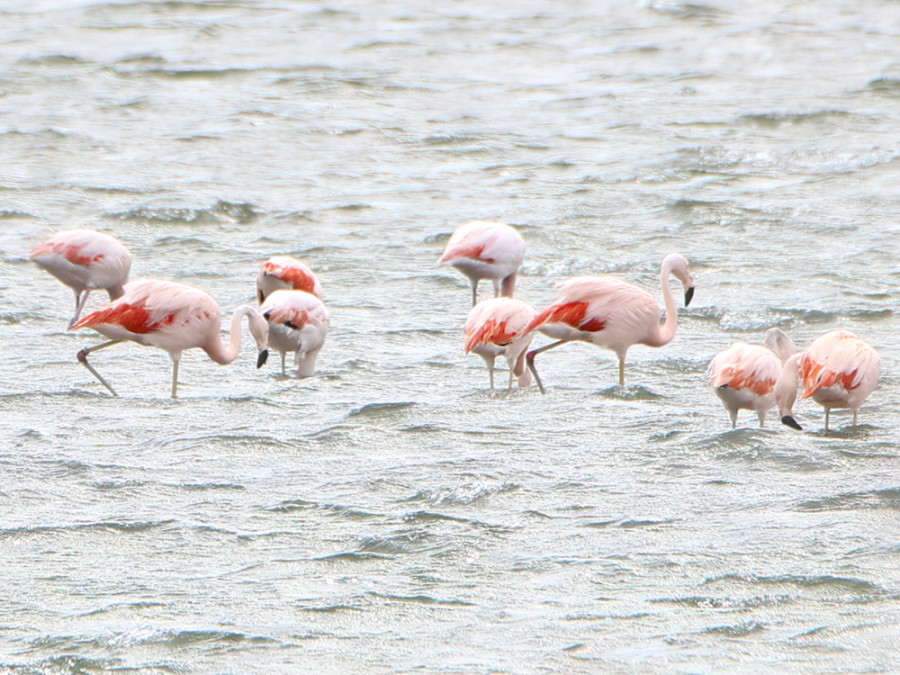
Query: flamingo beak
x,y
688,295
263,355
791,422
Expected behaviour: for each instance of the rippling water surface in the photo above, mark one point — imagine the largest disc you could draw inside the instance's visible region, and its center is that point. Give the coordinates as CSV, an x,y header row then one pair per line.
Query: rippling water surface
x,y
391,514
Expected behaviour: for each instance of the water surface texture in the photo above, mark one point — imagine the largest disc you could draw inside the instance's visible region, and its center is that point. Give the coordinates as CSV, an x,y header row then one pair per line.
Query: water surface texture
x,y
391,514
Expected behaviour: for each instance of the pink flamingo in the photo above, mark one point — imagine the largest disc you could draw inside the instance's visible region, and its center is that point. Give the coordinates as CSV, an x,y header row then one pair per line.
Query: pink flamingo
x,y
838,370
612,313
85,260
484,249
285,272
298,322
497,327
174,317
744,375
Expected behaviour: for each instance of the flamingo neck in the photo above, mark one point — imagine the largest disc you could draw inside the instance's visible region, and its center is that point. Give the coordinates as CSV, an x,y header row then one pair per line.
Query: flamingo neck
x,y
223,353
666,330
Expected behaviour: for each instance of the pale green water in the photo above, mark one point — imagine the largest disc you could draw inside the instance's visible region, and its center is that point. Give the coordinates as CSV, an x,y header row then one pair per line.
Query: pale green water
x,y
390,515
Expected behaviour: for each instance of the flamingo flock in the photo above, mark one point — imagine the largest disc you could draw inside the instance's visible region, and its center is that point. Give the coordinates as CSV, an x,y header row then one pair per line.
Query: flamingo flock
x,y
838,370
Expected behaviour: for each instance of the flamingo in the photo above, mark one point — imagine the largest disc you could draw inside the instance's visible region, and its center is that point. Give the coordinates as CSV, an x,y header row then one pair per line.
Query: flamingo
x,y
744,375
85,260
298,322
285,272
496,327
838,370
173,317
612,313
485,249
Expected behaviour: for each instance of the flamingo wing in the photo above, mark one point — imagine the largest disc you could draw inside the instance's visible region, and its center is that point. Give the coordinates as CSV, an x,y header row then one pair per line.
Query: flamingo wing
x,y
746,367
498,321
840,359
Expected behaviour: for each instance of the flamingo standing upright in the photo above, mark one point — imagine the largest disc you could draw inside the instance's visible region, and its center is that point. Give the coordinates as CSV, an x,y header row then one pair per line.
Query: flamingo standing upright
x,y
85,260
612,313
743,376
174,317
497,327
485,249
298,322
284,272
838,370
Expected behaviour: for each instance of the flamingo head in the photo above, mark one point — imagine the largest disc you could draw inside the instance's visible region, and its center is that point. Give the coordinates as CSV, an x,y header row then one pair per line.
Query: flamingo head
x,y
786,391
259,329
780,343
677,265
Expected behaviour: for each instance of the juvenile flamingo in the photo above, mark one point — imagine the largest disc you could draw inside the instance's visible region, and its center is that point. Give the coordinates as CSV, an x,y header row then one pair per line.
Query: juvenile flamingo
x,y
85,260
612,313
174,317
298,322
284,272
485,249
497,327
743,376
838,370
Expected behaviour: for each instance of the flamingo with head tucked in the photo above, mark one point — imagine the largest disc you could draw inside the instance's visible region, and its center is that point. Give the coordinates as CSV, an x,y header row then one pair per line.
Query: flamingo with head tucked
x,y
838,370
743,376
173,317
497,327
298,322
284,272
485,249
85,260
612,313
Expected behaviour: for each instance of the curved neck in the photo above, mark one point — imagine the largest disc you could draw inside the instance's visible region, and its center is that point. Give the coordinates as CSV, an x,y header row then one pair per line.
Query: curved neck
x,y
787,384
666,330
223,353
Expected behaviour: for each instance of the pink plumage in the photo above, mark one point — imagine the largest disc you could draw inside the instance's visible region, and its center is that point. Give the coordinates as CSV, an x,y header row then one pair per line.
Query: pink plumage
x,y
499,327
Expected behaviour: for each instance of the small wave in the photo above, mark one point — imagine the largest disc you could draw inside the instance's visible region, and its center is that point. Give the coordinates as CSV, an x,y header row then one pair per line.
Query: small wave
x,y
885,85
777,119
857,589
630,392
111,526
423,599
380,409
53,60
628,523
887,498
736,631
221,211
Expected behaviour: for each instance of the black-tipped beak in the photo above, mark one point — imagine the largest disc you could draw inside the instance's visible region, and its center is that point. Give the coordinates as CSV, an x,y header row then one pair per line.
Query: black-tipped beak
x,y
266,315
688,295
261,361
789,421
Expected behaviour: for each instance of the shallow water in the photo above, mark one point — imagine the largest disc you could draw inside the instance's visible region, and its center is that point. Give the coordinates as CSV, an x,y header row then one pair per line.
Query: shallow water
x,y
391,514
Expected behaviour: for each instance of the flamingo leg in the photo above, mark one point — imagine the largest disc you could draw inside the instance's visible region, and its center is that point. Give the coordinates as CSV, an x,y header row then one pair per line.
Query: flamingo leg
x,y
490,365
855,415
176,359
827,413
283,371
733,415
80,301
621,372
82,358
509,385
529,358
474,292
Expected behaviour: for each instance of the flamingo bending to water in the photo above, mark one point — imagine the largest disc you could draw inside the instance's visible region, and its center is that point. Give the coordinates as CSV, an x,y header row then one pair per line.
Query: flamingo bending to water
x,y
174,317
85,260
838,370
743,376
485,249
497,327
284,272
612,313
298,322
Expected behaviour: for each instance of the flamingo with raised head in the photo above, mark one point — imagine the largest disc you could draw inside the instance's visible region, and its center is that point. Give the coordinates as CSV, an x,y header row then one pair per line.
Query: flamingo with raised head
x,y
485,249
743,376
497,327
85,260
282,272
612,313
173,317
298,322
838,370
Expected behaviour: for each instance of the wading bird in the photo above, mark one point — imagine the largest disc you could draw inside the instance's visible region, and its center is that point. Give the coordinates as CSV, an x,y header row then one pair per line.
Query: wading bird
x,y
838,370
612,313
85,260
743,376
282,272
298,322
484,249
174,317
497,327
